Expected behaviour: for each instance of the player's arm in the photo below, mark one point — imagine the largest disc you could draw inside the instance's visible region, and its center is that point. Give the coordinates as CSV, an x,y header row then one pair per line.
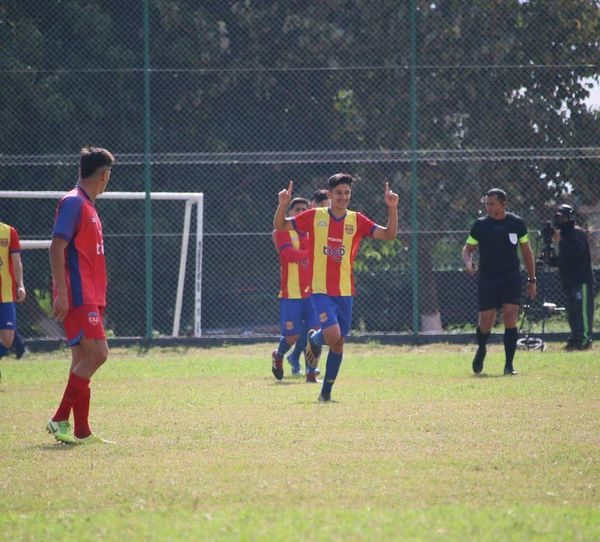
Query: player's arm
x,y
280,222
467,254
529,261
18,270
57,263
286,250
391,229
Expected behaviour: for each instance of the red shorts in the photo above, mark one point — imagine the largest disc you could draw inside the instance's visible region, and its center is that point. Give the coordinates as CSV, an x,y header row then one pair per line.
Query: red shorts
x,y
84,321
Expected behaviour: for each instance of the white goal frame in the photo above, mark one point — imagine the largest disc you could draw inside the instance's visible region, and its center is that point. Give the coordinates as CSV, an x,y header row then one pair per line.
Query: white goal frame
x,y
190,198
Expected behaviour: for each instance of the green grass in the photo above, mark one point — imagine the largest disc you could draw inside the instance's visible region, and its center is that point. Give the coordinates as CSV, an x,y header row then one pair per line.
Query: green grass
x,y
211,447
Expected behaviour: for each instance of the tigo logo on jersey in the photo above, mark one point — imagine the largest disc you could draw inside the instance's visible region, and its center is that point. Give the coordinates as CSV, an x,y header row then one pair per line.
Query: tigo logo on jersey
x,y
335,253
93,318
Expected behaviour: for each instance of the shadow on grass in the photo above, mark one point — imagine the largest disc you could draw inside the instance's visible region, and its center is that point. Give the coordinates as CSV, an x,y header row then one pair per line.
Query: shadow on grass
x,y
483,375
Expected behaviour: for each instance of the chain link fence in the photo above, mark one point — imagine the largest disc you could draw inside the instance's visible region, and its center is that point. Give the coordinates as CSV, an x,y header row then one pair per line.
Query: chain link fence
x,y
243,97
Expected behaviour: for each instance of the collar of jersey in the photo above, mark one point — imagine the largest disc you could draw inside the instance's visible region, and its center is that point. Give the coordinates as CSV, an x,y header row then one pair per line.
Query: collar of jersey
x,y
337,219
80,188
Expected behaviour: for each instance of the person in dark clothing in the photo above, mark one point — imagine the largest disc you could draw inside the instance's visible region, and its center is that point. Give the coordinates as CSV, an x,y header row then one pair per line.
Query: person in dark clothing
x,y
497,236
574,263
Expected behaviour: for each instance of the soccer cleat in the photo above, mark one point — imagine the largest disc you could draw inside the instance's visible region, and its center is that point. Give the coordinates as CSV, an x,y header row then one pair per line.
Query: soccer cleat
x,y
93,439
324,397
312,377
61,431
277,365
478,360
509,371
313,351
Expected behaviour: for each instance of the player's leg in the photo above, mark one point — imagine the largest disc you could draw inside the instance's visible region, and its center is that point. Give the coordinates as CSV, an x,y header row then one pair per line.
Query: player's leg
x,y
511,315
335,327
488,301
85,334
290,312
7,327
19,345
312,325
315,338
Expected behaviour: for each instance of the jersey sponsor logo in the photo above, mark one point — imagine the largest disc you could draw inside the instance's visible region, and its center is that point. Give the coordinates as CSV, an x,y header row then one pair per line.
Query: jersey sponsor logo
x,y
513,238
334,239
335,253
3,243
349,229
93,318
322,224
323,317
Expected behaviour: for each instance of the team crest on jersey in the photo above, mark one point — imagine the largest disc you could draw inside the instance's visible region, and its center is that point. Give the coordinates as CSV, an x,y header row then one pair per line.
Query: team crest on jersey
x,y
323,317
3,243
349,229
93,318
289,325
513,238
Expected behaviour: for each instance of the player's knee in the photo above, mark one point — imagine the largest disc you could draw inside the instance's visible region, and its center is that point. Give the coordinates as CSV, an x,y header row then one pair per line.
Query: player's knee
x,y
100,356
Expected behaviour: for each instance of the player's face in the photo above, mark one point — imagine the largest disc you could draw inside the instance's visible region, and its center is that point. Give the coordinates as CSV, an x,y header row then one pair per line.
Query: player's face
x,y
340,197
297,209
494,207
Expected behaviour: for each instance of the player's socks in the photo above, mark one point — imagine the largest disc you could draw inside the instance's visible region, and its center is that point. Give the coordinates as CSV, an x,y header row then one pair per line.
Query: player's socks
x,y
294,357
482,339
75,386
81,411
19,345
510,347
283,347
334,360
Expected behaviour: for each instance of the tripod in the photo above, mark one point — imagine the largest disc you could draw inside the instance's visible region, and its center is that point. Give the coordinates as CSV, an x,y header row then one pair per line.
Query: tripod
x,y
540,309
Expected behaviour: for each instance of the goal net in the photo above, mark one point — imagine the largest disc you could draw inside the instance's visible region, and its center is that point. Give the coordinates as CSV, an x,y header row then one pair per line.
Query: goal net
x,y
176,293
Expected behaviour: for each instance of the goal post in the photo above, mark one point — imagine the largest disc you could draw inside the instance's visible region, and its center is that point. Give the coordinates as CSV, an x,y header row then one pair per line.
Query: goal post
x,y
190,199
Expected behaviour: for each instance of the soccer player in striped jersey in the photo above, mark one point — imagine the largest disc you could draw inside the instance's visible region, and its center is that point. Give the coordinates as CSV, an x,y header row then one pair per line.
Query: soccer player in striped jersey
x,y
320,198
79,275
334,238
12,288
295,303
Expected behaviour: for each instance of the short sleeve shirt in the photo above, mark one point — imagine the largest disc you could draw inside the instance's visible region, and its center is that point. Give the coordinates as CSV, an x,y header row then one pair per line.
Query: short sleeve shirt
x,y
77,222
9,245
498,241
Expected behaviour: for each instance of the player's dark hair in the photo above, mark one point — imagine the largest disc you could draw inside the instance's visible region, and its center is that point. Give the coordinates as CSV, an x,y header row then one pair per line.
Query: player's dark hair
x,y
498,192
92,159
320,195
340,178
298,200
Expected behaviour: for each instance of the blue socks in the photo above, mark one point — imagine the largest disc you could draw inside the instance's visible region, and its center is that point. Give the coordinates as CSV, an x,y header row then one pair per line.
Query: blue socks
x,y
283,347
333,366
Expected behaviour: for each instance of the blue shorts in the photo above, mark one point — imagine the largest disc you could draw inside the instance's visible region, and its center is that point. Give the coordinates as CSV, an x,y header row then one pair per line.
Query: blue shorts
x,y
332,310
8,316
295,312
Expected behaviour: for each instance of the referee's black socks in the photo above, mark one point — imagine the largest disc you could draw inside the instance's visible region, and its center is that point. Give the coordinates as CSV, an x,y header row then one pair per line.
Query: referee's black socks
x,y
482,339
510,346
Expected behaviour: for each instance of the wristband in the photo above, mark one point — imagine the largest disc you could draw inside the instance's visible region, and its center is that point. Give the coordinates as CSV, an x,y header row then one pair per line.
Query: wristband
x,y
532,279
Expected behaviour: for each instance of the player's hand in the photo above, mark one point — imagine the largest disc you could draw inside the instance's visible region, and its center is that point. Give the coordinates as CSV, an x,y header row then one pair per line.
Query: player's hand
x,y
60,308
470,268
285,196
532,290
391,198
21,294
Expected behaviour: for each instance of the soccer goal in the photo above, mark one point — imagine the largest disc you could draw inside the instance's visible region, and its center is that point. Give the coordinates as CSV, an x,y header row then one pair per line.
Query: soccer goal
x,y
190,199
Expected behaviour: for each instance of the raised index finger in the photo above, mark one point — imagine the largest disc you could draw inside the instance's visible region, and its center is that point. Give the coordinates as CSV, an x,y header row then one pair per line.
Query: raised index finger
x,y
290,186
387,187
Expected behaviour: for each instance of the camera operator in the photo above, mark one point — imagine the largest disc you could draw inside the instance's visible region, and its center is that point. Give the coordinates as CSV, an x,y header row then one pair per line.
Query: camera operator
x,y
575,266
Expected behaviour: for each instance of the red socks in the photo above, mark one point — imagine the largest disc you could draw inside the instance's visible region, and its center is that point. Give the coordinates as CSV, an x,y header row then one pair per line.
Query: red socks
x,y
81,410
75,387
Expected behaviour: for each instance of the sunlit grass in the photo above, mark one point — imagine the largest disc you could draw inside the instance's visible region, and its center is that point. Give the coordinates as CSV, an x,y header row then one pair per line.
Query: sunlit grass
x,y
210,446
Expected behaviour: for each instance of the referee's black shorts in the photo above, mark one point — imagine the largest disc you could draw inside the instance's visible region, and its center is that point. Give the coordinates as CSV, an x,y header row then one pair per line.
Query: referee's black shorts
x,y
497,290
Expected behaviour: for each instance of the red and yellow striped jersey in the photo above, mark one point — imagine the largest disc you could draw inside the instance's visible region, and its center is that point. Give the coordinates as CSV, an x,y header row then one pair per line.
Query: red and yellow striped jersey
x,y
9,244
333,245
293,264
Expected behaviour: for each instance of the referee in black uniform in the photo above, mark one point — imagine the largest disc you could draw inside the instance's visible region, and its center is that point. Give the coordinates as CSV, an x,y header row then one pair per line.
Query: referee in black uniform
x,y
497,236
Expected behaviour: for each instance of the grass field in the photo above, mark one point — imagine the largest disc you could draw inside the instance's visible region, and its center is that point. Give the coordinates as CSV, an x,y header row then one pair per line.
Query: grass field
x,y
211,447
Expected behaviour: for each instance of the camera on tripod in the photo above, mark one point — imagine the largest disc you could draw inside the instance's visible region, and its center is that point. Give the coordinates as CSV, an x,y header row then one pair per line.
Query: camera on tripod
x,y
547,235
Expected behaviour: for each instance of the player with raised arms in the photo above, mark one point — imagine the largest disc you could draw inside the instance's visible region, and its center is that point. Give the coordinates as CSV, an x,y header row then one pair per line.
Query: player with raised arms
x,y
334,238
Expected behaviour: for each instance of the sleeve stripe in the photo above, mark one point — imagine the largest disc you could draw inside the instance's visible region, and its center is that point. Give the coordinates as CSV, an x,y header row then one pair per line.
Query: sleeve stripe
x,y
472,241
524,239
